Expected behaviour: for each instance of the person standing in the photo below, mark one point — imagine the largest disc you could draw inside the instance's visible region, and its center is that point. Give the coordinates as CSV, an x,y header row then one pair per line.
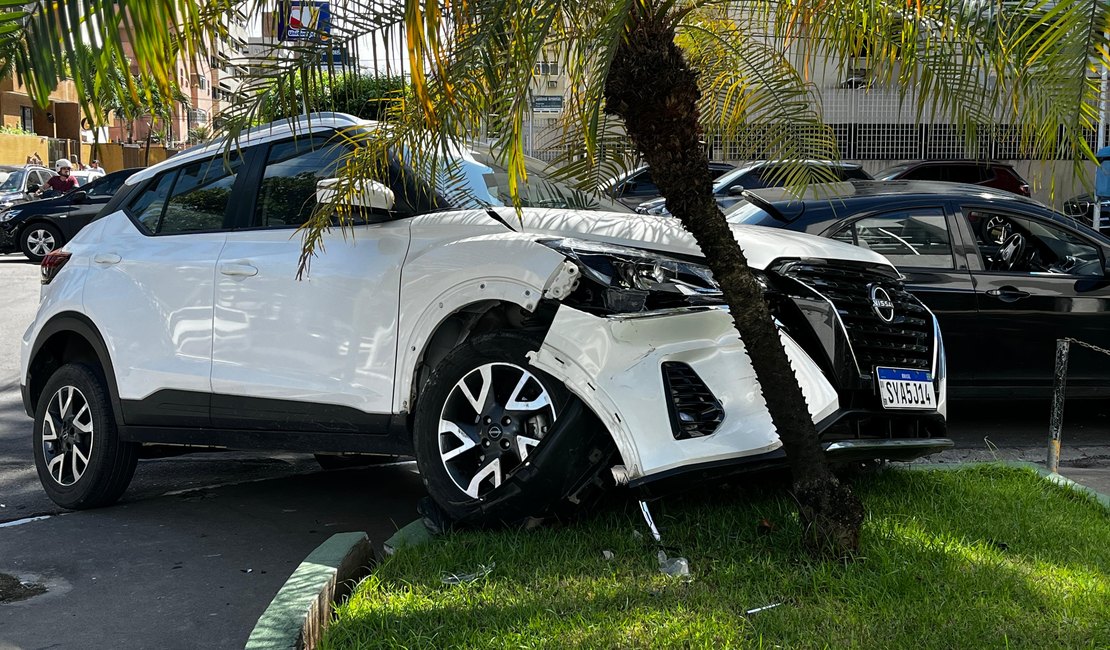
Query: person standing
x,y
95,169
64,181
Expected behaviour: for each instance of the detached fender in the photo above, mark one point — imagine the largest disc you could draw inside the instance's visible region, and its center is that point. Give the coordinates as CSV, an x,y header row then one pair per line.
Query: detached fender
x,y
614,365
442,280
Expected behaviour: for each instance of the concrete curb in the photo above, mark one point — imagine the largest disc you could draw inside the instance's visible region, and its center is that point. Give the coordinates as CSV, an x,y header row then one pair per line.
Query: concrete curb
x,y
1062,481
300,612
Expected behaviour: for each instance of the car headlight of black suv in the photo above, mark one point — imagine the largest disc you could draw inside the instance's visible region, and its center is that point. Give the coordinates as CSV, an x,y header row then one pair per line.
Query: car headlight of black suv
x,y
619,279
8,215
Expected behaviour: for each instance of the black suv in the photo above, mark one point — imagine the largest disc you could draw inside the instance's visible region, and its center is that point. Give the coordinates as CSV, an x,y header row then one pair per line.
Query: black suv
x,y
38,227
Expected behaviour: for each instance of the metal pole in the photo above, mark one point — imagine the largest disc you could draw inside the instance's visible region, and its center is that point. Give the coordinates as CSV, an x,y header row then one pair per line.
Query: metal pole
x,y
1057,421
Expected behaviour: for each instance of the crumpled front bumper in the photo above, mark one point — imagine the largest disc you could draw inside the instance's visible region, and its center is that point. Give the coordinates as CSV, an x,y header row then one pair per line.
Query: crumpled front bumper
x,y
615,366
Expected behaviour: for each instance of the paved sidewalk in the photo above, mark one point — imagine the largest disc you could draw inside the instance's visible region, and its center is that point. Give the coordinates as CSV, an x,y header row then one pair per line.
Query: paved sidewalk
x,y
1096,478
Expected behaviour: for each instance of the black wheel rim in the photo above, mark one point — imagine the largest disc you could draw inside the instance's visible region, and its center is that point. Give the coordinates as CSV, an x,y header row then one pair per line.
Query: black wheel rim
x,y
491,421
67,435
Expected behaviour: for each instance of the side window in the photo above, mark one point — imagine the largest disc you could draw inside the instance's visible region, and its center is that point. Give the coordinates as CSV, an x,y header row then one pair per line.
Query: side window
x,y
908,238
929,173
105,186
200,196
287,196
189,199
39,178
643,184
1022,244
147,207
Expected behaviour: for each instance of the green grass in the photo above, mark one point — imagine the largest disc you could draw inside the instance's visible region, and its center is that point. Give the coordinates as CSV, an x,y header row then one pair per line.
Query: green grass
x,y
982,557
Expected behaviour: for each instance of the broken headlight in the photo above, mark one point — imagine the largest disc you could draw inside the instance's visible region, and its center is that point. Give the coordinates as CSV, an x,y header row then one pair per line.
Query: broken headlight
x,y
618,279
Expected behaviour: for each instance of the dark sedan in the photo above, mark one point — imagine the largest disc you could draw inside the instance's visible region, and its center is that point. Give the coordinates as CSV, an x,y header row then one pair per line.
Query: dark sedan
x,y
38,227
1006,276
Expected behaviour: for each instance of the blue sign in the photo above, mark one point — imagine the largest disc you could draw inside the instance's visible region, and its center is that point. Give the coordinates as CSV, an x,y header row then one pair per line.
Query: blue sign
x,y
335,55
1102,176
304,21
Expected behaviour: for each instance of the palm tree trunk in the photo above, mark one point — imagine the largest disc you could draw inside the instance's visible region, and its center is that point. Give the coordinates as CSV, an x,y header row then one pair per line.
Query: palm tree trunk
x,y
653,90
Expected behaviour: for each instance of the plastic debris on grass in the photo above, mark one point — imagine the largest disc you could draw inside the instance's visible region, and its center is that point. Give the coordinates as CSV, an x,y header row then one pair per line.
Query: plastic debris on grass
x,y
678,567
608,555
464,578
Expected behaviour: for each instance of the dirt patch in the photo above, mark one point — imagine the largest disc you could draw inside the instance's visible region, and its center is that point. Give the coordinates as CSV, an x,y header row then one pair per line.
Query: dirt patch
x,y
11,589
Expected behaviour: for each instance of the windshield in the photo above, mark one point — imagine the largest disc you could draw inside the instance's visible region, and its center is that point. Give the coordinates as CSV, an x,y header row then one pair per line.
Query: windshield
x,y
746,213
14,182
539,191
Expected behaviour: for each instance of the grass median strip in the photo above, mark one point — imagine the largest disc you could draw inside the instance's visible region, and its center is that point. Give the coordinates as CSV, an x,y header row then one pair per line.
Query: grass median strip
x,y
986,556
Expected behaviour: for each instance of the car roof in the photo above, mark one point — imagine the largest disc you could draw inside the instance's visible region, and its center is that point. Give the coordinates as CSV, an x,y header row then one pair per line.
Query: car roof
x,y
300,125
833,201
949,163
857,190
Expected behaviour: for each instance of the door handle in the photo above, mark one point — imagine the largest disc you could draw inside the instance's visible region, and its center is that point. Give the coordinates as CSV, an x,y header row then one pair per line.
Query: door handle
x,y
1008,294
107,258
238,269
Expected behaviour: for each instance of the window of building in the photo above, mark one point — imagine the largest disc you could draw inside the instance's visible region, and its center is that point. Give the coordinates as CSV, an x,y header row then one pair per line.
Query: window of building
x,y
27,118
198,117
546,68
552,84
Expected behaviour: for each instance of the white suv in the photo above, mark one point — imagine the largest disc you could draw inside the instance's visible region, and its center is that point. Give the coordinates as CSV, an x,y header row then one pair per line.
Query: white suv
x,y
521,361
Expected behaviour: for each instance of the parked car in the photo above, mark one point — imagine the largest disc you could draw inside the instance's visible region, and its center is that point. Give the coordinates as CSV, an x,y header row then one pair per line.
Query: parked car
x,y
18,184
86,176
764,173
1005,275
38,227
524,361
638,186
1082,209
998,175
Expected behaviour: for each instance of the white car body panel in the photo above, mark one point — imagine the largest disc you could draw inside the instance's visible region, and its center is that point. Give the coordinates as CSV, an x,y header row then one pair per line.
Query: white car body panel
x,y
157,324
328,338
613,364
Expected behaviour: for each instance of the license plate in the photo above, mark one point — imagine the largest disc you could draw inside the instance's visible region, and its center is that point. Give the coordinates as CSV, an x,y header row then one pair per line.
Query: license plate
x,y
901,388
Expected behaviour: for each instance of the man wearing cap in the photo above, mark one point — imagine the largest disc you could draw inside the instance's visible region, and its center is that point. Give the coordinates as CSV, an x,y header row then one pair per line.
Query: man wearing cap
x,y
64,181
95,169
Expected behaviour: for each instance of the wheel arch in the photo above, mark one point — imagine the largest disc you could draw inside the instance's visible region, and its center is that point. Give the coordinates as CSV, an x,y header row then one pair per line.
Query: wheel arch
x,y
68,337
466,321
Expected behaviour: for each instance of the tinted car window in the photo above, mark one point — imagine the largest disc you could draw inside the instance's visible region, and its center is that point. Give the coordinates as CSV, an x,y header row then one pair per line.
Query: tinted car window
x,y
642,184
911,238
190,199
105,185
200,196
928,173
1045,247
147,206
287,196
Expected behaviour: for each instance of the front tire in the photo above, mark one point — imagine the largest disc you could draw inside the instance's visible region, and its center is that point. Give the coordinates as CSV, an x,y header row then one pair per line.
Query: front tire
x,y
38,239
81,461
486,437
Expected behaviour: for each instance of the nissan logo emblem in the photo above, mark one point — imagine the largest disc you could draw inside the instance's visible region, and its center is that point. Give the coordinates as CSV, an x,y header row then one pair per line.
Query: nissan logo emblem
x,y
494,432
881,304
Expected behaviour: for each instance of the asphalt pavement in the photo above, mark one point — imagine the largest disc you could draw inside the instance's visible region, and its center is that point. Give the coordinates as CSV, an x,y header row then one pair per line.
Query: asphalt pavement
x,y
199,544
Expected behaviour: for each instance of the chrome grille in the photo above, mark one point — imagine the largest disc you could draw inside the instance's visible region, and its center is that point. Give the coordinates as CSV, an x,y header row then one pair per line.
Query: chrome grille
x,y
906,342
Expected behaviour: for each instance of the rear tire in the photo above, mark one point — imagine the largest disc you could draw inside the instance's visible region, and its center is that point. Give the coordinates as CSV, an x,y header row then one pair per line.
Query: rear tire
x,y
81,461
38,239
487,444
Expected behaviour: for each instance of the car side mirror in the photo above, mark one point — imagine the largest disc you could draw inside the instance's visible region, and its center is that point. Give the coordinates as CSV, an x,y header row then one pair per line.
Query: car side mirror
x,y
32,187
79,197
736,190
361,193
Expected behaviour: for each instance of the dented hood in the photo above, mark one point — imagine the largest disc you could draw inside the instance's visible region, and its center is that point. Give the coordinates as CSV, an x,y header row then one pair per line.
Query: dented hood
x,y
761,245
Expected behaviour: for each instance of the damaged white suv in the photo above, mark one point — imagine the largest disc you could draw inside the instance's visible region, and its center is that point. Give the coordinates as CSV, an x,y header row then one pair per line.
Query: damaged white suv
x,y
523,362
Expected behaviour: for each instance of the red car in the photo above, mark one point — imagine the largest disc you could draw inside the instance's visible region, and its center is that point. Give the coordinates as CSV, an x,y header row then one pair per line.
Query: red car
x,y
989,173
